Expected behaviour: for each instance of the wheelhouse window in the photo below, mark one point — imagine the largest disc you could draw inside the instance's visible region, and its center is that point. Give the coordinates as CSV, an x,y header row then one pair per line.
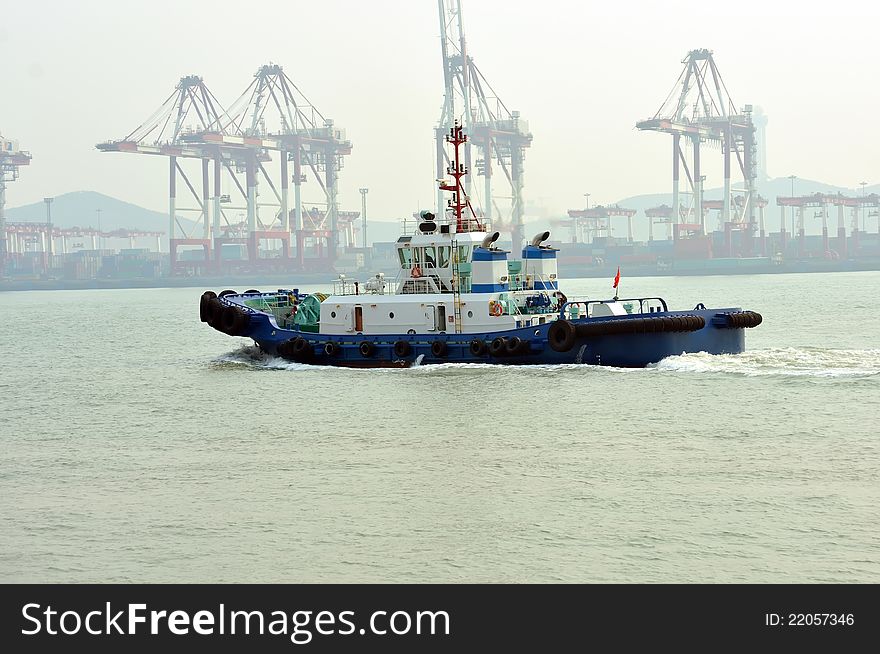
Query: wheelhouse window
x,y
464,253
430,257
443,256
405,255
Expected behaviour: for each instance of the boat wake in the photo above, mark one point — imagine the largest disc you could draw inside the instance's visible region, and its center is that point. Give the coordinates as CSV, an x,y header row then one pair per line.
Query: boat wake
x,y
251,356
783,362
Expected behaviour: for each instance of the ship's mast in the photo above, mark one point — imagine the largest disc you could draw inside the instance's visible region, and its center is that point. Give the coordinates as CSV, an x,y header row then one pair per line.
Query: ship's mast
x,y
460,201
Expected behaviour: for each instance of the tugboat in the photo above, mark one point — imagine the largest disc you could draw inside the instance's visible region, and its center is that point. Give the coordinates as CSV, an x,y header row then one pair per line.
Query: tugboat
x,y
458,298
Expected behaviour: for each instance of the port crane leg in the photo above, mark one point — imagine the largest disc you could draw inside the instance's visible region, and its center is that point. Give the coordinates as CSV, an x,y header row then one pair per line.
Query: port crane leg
x,y
726,209
206,206
698,188
676,202
285,181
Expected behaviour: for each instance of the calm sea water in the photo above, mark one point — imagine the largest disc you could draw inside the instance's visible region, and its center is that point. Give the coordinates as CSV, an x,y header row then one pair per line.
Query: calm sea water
x,y
137,444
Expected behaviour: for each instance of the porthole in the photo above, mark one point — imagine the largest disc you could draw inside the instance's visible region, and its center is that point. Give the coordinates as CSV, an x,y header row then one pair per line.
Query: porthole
x,y
537,332
470,314
391,314
332,314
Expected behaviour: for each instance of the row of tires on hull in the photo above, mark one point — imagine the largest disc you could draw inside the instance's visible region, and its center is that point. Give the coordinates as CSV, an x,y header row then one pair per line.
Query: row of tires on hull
x,y
299,349
742,319
224,318
563,333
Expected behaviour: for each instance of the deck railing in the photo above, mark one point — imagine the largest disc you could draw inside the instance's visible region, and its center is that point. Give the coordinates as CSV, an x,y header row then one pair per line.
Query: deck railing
x,y
574,309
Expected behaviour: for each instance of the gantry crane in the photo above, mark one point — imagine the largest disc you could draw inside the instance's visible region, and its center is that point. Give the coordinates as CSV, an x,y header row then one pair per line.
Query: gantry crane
x,y
818,201
190,108
500,135
273,115
659,215
699,109
598,219
822,202
11,159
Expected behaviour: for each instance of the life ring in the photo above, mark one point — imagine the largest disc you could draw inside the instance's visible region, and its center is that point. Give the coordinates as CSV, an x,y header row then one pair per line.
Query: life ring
x,y
416,272
495,309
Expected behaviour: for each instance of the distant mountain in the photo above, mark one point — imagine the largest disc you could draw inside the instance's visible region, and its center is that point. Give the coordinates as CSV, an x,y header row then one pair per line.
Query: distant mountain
x,y
79,209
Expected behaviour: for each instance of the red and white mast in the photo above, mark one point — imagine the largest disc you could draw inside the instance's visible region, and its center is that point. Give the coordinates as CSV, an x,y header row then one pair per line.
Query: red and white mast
x,y
460,201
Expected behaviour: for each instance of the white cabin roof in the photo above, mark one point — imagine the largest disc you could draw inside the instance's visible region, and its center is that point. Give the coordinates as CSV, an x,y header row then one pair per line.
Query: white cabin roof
x,y
409,298
436,238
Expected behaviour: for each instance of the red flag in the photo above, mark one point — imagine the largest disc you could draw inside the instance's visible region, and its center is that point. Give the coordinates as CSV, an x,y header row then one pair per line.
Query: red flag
x,y
616,278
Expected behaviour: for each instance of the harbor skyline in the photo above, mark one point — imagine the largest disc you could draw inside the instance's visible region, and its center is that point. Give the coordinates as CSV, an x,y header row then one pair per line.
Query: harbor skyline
x,y
584,136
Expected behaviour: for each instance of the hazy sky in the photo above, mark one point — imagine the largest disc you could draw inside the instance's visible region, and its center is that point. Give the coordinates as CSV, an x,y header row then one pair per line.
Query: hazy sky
x,y
581,73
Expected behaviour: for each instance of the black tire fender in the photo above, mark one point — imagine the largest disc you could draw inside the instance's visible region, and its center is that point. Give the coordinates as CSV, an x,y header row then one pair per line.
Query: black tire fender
x,y
242,320
514,345
651,326
497,347
227,320
301,349
204,305
214,311
561,335
617,327
438,349
285,349
402,349
366,348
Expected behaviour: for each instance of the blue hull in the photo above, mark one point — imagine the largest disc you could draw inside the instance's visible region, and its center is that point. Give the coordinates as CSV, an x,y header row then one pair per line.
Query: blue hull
x,y
626,350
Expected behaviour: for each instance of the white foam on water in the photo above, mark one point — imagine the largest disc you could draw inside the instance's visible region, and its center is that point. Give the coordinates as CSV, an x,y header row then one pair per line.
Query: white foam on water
x,y
252,356
785,362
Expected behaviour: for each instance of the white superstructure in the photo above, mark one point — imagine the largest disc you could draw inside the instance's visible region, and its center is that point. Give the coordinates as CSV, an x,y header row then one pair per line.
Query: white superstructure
x,y
448,282
452,278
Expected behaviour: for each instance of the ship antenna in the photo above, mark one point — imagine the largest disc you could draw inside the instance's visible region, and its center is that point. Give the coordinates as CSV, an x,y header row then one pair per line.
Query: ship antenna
x,y
460,201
